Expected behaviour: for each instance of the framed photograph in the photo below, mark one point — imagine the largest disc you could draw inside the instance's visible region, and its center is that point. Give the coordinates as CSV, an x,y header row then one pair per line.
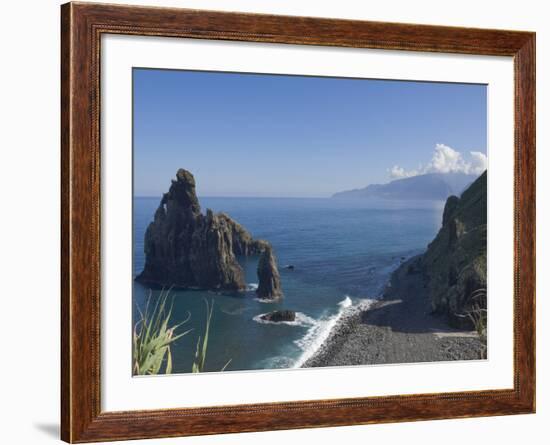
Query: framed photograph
x,y
274,222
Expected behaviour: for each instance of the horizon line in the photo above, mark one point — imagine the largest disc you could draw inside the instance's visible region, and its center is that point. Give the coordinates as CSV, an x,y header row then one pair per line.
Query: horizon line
x,y
241,197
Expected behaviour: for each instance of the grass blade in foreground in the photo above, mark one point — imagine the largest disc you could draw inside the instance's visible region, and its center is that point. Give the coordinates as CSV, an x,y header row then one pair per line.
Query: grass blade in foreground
x,y
153,337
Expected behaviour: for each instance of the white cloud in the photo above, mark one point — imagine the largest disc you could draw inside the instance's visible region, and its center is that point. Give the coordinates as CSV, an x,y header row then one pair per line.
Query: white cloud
x,y
400,172
445,160
479,162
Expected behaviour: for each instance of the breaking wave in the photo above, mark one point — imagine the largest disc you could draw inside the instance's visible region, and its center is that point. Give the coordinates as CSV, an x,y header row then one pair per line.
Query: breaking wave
x,y
320,331
251,287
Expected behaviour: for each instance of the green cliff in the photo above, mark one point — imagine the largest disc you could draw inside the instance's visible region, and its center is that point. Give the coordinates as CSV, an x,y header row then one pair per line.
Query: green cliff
x,y
454,266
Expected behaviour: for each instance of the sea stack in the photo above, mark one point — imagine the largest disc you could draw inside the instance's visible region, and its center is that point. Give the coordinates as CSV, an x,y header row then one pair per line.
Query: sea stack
x,y
269,286
187,249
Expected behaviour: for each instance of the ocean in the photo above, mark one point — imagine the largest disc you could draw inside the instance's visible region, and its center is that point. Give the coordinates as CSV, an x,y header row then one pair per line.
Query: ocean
x,y
343,252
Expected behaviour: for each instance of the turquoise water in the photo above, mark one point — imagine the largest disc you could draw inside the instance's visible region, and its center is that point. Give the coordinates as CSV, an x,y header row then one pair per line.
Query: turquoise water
x,y
343,252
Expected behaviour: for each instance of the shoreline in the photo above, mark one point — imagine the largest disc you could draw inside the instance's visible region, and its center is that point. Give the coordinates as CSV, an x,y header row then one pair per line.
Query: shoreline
x,y
397,327
335,321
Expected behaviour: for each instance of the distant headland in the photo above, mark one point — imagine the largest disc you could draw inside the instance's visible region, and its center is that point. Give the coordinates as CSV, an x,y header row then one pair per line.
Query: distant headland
x,y
429,186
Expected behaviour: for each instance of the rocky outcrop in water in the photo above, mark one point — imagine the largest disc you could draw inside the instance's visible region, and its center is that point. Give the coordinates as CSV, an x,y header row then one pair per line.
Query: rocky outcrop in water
x,y
269,285
187,249
279,316
242,241
454,267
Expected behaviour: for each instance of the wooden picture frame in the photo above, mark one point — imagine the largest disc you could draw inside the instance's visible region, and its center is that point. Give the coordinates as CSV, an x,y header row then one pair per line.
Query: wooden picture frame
x,y
82,25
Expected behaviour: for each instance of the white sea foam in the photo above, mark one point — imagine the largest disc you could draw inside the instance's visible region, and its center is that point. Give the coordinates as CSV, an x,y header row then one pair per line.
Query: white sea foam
x,y
320,331
264,300
251,286
300,320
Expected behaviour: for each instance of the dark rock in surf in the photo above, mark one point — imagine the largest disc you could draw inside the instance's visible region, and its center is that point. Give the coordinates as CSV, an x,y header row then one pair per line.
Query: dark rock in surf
x,y
279,316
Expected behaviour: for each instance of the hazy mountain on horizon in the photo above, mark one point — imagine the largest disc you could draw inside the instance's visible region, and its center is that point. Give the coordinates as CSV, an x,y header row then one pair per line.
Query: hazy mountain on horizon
x,y
430,186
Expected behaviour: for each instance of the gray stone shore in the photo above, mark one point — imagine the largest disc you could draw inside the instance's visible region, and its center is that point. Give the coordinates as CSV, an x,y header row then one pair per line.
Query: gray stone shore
x,y
398,328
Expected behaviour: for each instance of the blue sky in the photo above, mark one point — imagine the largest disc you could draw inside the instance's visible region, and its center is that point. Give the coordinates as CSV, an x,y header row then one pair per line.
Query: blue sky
x,y
295,136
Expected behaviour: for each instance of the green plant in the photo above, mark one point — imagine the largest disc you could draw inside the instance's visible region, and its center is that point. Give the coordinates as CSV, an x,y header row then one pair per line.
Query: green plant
x,y
478,316
153,337
202,344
